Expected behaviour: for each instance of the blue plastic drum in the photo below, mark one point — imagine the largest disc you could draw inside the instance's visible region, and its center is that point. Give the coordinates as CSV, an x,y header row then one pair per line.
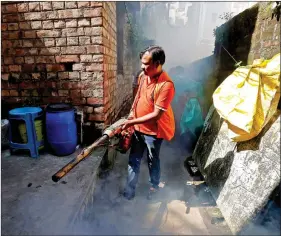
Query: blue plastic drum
x,y
61,128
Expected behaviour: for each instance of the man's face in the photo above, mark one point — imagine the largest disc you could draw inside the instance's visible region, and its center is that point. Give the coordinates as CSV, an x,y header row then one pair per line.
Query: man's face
x,y
150,69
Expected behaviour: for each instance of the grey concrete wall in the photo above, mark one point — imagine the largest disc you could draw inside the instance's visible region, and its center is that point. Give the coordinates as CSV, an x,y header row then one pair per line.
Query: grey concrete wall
x,y
241,176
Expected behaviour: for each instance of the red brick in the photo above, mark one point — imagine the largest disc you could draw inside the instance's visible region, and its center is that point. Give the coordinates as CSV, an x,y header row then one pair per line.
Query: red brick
x,y
58,5
28,67
15,68
74,75
73,13
98,109
83,4
11,8
27,43
5,93
10,35
4,27
78,101
33,51
88,110
28,85
49,51
22,7
48,24
51,84
36,76
93,31
84,22
49,42
29,60
46,6
36,25
71,4
94,67
94,101
59,24
48,33
98,58
19,60
13,26
29,34
97,21
41,67
63,75
95,49
8,61
52,75
84,40
4,77
67,58
75,93
72,41
66,85
35,16
14,93
11,18
96,117
55,68
6,43
34,6
71,23
92,84
61,42
72,32
63,93
93,12
78,67
45,59
73,50
24,25
86,58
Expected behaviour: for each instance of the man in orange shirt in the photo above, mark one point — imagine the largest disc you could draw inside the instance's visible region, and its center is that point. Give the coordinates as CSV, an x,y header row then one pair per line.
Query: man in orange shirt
x,y
152,118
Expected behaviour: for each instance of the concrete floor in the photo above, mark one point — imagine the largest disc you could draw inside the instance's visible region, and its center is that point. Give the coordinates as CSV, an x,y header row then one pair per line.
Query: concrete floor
x,y
178,208
32,204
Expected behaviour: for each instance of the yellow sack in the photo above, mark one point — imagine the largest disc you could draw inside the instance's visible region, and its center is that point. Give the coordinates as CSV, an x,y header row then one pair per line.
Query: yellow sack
x,y
248,98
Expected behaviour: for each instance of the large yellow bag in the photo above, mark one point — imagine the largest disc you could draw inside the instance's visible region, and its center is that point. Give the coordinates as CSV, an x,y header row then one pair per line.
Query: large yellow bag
x,y
248,98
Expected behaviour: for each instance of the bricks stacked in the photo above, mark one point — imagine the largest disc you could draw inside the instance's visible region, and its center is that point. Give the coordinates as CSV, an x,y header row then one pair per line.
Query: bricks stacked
x,y
60,52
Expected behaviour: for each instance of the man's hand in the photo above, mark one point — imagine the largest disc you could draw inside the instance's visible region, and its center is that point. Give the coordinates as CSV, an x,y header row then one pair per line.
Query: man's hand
x,y
127,124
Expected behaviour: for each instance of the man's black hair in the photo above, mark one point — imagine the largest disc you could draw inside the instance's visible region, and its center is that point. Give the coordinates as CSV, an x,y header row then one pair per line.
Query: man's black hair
x,y
157,54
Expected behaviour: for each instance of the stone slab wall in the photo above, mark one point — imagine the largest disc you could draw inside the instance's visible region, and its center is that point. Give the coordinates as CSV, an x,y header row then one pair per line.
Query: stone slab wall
x,y
241,176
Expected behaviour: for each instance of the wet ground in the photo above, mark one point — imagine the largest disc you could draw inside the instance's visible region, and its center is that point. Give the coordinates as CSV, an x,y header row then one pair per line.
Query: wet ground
x,y
181,207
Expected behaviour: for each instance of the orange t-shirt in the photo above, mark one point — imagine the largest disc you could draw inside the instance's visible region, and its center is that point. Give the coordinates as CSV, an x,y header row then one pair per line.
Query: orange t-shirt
x,y
145,104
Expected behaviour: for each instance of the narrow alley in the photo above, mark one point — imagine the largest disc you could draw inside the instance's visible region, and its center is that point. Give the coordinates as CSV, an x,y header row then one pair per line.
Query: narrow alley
x,y
86,83
177,209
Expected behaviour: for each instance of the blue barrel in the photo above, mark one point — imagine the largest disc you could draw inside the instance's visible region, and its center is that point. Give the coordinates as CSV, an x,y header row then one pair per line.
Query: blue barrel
x,y
61,128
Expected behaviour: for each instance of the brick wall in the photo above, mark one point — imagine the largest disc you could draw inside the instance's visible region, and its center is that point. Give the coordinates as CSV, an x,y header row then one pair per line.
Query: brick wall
x,y
61,52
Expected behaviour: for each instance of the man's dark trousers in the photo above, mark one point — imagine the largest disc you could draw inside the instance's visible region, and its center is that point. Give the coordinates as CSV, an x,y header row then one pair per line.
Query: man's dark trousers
x,y
140,142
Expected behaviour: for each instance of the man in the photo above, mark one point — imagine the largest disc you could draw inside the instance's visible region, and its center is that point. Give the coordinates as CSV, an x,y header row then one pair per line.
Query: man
x,y
152,118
